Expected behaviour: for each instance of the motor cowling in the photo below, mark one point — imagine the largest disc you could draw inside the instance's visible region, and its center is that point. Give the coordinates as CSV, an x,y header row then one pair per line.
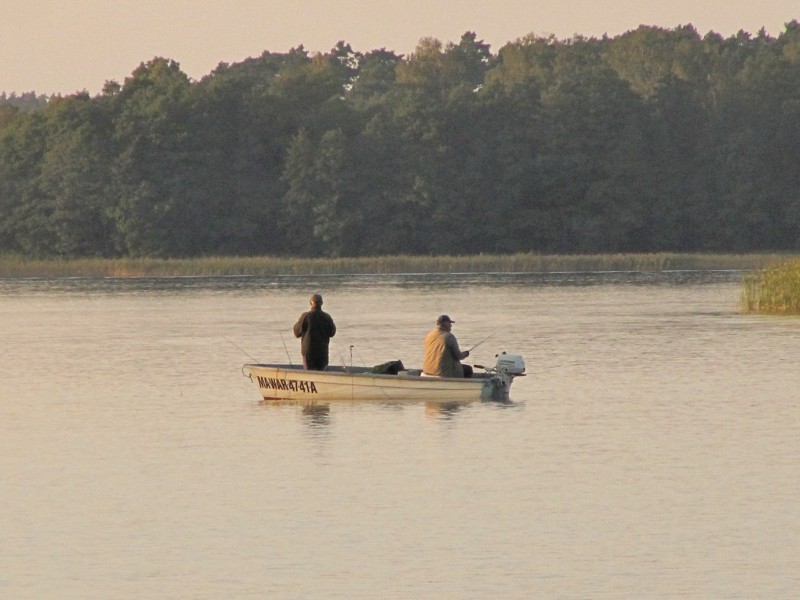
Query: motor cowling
x,y
513,364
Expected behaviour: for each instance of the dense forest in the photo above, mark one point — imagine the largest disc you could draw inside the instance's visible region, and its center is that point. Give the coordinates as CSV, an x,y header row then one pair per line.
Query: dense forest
x,y
654,140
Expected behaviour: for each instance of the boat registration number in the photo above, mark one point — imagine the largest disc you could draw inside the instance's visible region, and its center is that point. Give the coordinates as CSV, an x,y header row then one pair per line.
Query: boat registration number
x,y
289,385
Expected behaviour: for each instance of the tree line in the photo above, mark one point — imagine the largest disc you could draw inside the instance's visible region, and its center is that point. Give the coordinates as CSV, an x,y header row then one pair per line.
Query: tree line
x,y
654,140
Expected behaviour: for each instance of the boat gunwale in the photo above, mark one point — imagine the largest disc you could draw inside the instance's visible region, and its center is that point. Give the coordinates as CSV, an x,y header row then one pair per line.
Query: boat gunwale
x,y
414,374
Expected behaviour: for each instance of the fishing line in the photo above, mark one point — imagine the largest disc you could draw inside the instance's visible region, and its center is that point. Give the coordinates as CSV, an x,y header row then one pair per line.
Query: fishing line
x,y
361,358
343,357
247,354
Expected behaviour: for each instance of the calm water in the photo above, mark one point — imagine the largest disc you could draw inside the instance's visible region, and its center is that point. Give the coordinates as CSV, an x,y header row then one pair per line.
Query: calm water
x,y
653,451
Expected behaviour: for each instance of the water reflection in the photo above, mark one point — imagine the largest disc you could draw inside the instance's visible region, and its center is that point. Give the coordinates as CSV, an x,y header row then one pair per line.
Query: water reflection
x,y
320,415
445,410
317,415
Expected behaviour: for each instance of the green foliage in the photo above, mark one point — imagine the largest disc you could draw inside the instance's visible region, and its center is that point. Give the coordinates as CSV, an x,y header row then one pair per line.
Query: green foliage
x,y
773,290
15,265
154,210
74,176
654,141
26,102
649,55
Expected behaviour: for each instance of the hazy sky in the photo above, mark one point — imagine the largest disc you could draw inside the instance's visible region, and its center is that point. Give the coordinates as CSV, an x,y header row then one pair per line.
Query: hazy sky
x,y
64,46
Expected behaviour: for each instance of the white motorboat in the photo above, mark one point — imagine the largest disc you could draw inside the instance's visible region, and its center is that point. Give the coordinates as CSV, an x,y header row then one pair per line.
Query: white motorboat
x,y
280,382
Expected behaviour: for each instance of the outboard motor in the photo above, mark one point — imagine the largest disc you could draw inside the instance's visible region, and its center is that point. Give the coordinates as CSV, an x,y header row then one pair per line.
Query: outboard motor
x,y
512,364
507,367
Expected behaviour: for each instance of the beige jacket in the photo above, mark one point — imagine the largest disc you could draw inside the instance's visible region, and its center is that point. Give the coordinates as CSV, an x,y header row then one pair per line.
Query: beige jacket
x,y
442,355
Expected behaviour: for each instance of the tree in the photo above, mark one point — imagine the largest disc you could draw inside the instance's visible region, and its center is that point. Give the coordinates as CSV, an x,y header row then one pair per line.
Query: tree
x,y
156,211
296,216
527,63
757,128
26,102
648,55
239,133
593,152
24,211
75,170
376,77
684,178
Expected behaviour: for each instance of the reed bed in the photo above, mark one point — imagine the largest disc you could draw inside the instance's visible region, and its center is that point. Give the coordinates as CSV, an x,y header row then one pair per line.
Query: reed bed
x,y
773,290
15,266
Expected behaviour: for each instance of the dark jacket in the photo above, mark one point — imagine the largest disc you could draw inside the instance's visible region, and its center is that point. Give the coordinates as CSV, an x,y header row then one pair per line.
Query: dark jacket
x,y
316,328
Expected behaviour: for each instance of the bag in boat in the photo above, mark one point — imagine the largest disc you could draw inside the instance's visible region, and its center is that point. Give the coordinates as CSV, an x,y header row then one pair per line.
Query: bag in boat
x,y
393,367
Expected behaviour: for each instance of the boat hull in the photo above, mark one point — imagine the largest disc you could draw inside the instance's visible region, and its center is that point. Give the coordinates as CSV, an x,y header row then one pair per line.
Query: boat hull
x,y
293,383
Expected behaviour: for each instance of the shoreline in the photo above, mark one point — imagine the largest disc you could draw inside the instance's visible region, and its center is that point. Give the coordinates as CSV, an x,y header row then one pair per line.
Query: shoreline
x,y
18,267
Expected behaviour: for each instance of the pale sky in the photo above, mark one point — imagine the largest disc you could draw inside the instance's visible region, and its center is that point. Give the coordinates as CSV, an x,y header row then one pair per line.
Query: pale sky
x,y
65,46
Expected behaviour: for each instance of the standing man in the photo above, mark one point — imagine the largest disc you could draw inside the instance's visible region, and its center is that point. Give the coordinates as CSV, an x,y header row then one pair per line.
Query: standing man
x,y
316,328
442,354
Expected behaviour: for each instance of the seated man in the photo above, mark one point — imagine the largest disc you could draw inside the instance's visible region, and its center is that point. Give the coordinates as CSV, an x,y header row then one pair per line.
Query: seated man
x,y
442,354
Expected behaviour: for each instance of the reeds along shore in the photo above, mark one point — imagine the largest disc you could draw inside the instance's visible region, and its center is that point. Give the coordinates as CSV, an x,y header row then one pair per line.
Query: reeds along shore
x,y
773,290
20,267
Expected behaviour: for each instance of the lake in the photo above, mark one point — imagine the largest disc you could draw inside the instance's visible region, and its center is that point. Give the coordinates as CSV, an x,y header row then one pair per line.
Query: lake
x,y
652,450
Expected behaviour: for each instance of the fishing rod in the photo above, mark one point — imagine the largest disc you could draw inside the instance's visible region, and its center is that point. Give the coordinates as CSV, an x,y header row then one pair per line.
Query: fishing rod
x,y
479,343
289,356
